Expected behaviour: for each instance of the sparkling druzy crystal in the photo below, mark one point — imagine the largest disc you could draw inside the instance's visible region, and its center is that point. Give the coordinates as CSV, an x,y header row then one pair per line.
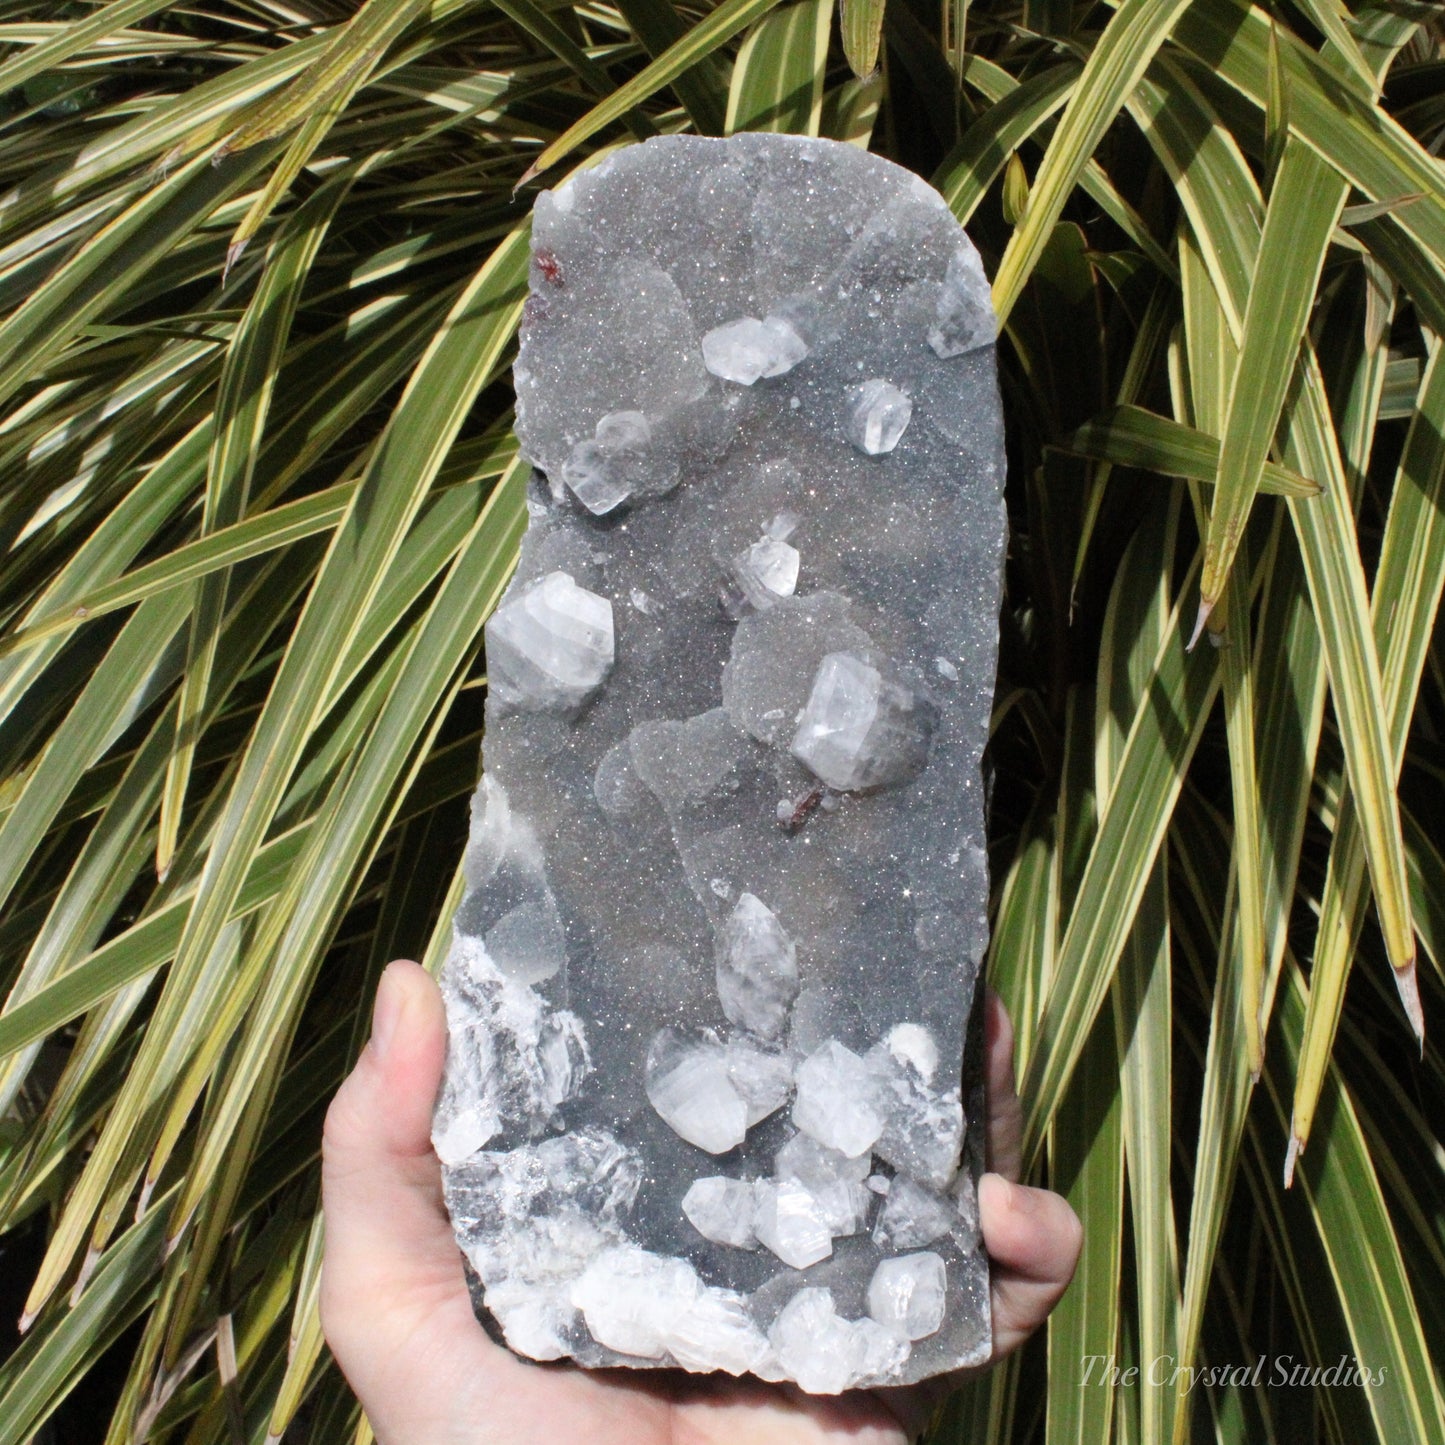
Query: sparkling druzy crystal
x,y
713,1095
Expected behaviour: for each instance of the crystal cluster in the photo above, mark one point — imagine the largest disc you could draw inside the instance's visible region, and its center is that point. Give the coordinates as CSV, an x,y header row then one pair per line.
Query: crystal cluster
x,y
713,1094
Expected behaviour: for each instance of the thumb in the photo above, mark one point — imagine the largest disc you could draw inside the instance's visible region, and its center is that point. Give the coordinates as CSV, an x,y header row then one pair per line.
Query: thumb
x,y
1033,1239
391,1262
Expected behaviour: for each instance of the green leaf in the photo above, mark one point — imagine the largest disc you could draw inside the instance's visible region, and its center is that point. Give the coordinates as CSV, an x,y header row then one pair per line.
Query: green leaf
x,y
777,79
76,38
259,607
122,251
1337,588
731,17
352,52
538,22
850,111
1359,1240
248,379
1142,1020
657,25
1021,949
138,665
257,535
137,953
1213,361
1331,17
1087,1161
1406,602
1325,528
1364,144
39,1374
862,29
1141,1003
1164,732
1114,67
965,176
1131,436
1303,210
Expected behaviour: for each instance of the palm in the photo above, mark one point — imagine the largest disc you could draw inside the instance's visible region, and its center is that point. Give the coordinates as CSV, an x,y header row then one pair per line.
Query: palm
x,y
399,1319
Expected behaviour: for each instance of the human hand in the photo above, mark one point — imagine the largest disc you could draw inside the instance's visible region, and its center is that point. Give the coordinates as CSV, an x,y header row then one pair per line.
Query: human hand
x,y
398,1318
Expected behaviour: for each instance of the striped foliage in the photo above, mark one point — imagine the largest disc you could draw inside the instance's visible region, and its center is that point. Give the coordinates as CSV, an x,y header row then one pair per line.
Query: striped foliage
x,y
261,270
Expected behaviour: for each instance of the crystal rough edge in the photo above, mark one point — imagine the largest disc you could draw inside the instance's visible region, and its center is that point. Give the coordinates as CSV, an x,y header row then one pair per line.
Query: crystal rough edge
x,y
713,1095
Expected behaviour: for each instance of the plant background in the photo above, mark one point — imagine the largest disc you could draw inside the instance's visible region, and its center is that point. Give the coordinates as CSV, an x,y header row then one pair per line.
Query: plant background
x,y
261,267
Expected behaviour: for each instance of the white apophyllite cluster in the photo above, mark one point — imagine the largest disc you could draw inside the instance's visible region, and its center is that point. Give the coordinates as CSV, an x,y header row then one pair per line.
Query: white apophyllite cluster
x,y
757,968
747,349
713,1092
861,728
621,460
879,416
551,646
765,572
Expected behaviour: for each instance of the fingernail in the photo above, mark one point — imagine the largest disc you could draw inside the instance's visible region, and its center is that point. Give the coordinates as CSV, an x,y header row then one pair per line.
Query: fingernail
x,y
993,1192
1013,1198
386,1012
1022,1199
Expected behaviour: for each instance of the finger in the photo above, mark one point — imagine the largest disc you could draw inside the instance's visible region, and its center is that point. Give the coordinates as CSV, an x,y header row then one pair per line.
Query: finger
x,y
387,1234
1004,1134
1033,1238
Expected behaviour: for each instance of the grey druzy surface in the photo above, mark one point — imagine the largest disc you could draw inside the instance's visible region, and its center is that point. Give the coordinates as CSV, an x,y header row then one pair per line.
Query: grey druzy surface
x,y
713,1093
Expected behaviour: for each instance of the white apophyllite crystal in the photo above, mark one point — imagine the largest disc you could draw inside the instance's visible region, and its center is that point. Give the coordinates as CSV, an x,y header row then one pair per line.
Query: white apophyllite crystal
x,y
775,656
861,729
717,1333
912,1044
834,1180
598,470
747,349
791,1223
654,1306
619,462
722,1210
922,1127
762,1077
690,1087
533,1321
633,1300
908,1294
836,1101
550,648
827,1354
582,1185
844,1206
815,1166
964,319
461,1127
766,572
878,415
757,968
524,1059
913,1216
